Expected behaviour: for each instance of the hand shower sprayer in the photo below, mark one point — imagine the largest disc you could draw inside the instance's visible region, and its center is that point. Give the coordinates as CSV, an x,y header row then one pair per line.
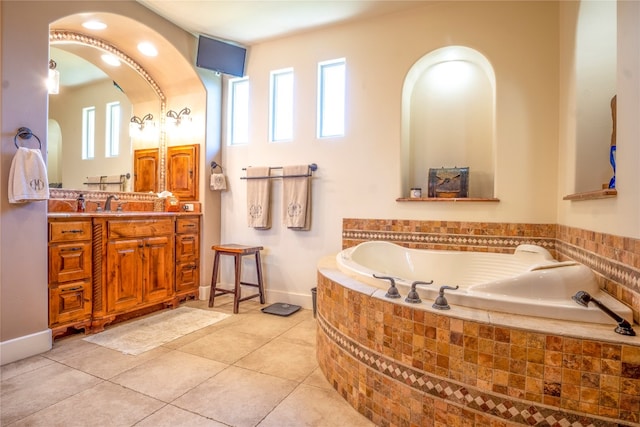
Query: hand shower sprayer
x,y
624,328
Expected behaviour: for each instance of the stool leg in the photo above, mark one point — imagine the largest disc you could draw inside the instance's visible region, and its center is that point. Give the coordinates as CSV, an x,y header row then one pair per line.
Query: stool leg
x,y
259,271
237,293
214,277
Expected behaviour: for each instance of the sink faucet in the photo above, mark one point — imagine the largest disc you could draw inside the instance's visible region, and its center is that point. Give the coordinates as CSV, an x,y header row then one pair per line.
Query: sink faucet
x,y
107,204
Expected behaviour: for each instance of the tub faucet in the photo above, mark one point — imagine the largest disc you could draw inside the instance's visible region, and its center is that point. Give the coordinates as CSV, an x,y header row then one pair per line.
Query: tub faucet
x,y
393,291
107,204
441,302
413,296
624,328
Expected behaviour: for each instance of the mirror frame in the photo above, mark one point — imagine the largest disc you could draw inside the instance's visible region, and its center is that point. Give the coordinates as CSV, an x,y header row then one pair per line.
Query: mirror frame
x,y
65,36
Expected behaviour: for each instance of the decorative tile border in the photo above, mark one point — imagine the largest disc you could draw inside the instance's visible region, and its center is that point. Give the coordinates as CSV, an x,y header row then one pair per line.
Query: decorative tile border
x,y
512,410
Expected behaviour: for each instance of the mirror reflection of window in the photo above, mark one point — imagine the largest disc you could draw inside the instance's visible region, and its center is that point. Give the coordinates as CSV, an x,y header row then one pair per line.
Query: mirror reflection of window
x,y
113,129
88,132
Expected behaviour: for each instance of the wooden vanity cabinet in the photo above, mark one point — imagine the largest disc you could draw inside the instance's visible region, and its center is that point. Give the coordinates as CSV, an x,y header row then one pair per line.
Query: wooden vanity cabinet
x,y
70,275
187,256
139,268
104,268
182,171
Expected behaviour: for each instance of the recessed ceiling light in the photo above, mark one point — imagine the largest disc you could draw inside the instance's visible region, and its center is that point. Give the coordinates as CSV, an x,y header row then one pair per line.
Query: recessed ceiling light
x,y
94,25
147,49
111,60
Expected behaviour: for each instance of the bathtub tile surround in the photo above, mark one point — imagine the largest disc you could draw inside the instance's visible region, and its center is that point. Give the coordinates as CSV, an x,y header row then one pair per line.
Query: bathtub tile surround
x,y
400,365
614,259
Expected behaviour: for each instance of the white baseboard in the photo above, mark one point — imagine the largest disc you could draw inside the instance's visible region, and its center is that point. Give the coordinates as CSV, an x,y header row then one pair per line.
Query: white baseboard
x,y
26,346
303,300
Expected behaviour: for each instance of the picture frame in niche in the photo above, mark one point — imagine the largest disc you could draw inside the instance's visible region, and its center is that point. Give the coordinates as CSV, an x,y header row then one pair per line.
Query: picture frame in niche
x,y
448,183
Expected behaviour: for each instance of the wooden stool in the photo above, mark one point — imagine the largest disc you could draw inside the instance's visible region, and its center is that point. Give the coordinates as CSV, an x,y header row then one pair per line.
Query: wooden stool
x,y
237,251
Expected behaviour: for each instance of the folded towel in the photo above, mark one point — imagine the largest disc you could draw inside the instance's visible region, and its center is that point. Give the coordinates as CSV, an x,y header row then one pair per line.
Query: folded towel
x,y
94,182
218,182
296,197
113,183
28,177
258,198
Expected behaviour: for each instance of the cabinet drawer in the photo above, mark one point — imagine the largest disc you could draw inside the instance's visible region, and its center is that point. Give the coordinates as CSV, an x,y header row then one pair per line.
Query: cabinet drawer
x,y
139,227
187,225
69,261
69,302
187,247
69,231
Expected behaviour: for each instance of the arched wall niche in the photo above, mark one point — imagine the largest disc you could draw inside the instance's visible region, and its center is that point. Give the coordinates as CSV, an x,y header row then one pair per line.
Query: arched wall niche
x,y
448,119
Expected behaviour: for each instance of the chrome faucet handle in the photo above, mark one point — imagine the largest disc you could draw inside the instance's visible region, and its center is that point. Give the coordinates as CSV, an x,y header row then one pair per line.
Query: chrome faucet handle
x,y
413,296
441,302
393,291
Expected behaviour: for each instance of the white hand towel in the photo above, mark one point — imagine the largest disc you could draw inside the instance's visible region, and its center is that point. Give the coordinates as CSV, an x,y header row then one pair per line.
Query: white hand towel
x,y
113,183
218,182
296,197
258,198
28,177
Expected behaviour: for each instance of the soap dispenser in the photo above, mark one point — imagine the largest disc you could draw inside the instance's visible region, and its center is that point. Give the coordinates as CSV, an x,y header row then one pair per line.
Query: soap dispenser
x,y
81,204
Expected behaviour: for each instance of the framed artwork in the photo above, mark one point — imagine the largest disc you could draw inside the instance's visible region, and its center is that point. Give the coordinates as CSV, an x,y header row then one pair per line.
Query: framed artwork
x,y
449,182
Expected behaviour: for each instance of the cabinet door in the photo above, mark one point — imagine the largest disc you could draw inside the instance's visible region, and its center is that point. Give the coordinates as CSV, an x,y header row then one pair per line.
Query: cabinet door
x,y
125,272
182,171
69,302
145,170
158,266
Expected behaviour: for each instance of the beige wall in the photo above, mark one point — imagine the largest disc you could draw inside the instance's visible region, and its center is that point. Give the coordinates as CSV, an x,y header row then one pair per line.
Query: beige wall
x,y
359,175
23,228
620,215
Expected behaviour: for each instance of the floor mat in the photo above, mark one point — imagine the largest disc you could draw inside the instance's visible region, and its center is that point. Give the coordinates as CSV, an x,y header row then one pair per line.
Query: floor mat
x,y
150,332
281,309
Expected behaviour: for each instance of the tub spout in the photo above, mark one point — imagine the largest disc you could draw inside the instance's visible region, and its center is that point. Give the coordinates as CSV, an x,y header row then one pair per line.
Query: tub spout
x,y
413,296
393,291
624,328
441,302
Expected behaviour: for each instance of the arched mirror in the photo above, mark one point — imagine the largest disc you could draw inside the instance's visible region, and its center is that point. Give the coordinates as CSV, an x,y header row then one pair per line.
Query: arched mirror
x,y
90,116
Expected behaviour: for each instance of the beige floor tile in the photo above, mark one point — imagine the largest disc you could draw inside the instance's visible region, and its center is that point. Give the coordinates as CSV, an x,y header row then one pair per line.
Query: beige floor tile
x,y
106,363
317,379
30,392
170,375
11,370
68,346
236,396
303,333
314,407
106,404
224,347
282,358
170,416
265,325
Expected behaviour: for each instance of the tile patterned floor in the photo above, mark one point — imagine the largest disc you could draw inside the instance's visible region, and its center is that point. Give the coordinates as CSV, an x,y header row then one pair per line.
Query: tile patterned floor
x,y
251,369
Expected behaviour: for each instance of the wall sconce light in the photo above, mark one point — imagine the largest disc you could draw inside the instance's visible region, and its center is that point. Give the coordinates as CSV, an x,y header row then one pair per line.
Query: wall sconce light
x,y
177,118
137,125
53,81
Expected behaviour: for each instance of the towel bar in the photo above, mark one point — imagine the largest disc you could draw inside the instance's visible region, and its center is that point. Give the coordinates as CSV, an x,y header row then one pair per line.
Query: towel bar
x,y
312,167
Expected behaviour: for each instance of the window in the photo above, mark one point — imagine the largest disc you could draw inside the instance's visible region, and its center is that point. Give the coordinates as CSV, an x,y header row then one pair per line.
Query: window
x,y
331,98
238,112
281,102
113,130
88,132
